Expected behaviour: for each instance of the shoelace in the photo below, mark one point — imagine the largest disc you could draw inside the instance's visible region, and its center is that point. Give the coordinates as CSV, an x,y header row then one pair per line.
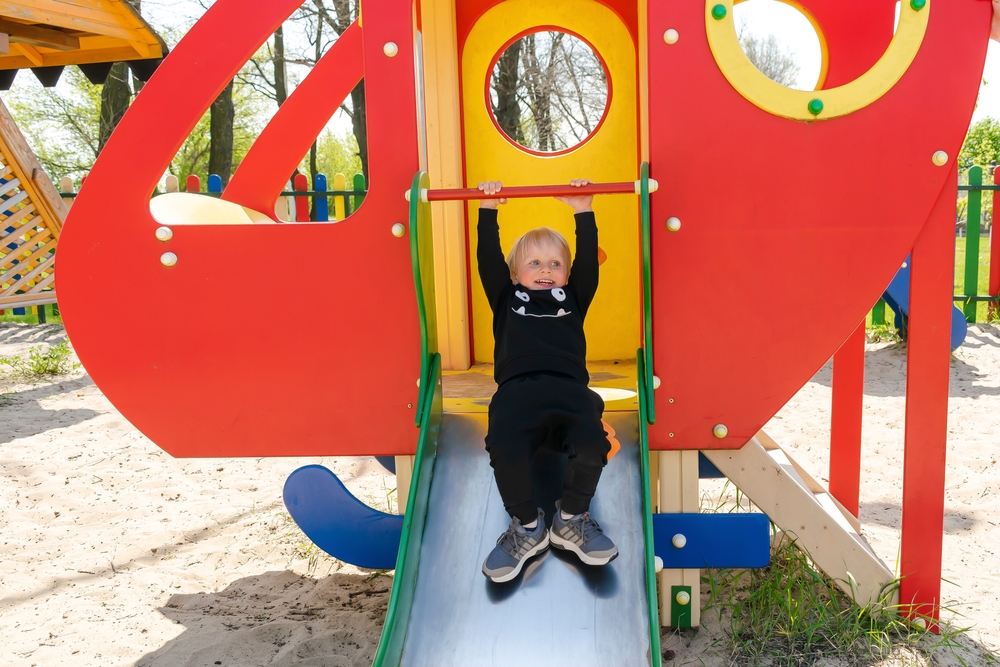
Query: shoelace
x,y
585,525
511,542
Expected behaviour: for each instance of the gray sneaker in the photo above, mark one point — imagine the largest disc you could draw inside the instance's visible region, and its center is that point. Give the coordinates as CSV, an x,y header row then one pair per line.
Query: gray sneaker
x,y
515,547
581,535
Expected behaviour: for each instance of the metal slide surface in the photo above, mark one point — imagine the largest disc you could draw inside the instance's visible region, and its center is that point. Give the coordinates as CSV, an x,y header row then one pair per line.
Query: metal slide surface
x,y
557,611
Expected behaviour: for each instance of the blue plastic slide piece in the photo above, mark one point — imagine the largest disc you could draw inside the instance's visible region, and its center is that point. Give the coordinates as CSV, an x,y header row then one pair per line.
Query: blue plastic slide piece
x,y
897,296
707,469
388,462
712,540
340,524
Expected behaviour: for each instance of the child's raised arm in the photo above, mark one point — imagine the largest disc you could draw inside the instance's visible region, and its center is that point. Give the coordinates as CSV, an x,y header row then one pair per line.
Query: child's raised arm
x,y
493,270
586,269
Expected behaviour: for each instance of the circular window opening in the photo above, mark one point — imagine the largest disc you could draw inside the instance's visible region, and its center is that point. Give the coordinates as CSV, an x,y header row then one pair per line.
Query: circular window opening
x,y
781,42
548,91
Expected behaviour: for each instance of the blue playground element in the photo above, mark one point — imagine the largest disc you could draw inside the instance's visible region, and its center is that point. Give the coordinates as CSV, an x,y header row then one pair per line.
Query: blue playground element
x,y
340,524
897,295
388,462
713,540
707,469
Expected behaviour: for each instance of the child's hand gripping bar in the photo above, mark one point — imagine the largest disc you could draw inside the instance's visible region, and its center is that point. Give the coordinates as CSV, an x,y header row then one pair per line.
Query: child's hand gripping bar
x,y
526,191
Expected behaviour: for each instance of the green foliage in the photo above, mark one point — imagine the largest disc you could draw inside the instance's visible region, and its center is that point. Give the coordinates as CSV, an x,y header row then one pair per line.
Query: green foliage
x,y
61,125
789,614
337,154
982,145
42,361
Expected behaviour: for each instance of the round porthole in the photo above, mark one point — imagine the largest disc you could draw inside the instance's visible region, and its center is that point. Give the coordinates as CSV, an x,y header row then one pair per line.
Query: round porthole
x,y
548,91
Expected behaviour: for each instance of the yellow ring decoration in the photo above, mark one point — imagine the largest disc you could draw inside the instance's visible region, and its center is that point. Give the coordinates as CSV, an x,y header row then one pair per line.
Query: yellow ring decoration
x,y
781,101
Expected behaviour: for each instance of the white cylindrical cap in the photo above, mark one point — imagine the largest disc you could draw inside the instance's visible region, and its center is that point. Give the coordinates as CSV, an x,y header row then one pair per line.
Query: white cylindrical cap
x,y
720,431
673,224
656,382
390,49
940,158
398,230
679,541
164,234
671,36
683,598
168,259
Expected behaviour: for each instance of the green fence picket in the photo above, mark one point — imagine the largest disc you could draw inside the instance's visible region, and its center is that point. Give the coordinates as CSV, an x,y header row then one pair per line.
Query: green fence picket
x,y
974,214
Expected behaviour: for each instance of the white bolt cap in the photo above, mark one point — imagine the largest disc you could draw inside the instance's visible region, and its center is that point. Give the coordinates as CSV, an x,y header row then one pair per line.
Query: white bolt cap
x,y
398,230
164,234
168,259
673,224
720,431
657,563
679,541
940,158
390,49
671,36
683,598
656,382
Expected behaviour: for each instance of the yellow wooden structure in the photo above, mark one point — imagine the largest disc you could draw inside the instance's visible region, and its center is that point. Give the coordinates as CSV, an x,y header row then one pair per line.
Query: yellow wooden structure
x,y
52,33
31,217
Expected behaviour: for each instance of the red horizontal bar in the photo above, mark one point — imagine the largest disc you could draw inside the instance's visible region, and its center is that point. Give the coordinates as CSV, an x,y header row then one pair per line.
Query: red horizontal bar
x,y
524,191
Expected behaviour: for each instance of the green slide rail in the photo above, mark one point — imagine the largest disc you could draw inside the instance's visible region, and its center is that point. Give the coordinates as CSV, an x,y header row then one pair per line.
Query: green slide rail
x,y
646,387
429,410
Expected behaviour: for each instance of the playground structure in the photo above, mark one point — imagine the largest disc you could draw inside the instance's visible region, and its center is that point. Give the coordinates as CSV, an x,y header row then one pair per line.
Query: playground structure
x,y
816,191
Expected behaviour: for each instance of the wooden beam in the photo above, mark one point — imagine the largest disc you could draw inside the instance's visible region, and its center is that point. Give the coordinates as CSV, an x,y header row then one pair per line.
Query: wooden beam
x,y
86,16
29,52
37,36
4,43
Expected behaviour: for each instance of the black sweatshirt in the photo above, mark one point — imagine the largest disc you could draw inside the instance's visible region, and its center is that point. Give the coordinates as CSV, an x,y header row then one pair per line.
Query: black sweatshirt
x,y
538,330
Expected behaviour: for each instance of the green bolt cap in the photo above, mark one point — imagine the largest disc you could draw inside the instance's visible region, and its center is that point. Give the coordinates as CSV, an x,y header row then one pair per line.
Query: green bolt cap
x,y
917,5
816,107
719,12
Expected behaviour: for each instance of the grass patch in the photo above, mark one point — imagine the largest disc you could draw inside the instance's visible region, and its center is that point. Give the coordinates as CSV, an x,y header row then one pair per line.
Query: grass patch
x,y
43,361
789,614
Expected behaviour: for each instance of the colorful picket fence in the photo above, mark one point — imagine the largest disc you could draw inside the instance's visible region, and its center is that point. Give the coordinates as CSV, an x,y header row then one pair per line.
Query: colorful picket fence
x,y
297,204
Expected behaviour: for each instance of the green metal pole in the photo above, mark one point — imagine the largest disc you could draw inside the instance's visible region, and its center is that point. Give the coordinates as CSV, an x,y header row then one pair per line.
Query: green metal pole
x,y
972,243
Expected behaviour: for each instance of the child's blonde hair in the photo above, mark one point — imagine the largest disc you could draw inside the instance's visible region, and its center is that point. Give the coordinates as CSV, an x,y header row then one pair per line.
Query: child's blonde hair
x,y
537,237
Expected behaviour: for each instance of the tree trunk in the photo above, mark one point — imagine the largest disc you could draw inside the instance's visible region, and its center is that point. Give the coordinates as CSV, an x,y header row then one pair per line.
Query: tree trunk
x,y
220,156
115,98
508,111
280,78
359,122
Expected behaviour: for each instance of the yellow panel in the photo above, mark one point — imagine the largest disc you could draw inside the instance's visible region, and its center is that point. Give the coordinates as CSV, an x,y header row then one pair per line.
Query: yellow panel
x,y
840,101
612,325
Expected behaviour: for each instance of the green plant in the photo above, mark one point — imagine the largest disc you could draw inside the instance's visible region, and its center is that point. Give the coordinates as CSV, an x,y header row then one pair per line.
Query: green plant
x,y
6,399
882,333
789,614
42,361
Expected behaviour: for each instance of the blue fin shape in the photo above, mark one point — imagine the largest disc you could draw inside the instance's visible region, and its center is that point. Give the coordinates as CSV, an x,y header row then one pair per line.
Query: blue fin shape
x,y
897,296
388,462
340,524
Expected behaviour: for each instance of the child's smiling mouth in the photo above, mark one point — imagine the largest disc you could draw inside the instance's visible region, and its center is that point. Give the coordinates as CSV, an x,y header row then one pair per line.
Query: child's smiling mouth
x,y
544,282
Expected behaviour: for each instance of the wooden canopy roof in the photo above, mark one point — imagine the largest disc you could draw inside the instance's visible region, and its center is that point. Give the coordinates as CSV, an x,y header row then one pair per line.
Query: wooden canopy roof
x,y
47,35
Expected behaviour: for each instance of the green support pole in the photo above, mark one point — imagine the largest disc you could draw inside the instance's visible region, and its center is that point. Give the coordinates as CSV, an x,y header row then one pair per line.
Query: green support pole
x,y
41,314
972,243
878,312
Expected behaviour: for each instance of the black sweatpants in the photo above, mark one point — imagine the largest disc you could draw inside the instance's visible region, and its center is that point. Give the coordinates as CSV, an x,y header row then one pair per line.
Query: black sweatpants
x,y
530,411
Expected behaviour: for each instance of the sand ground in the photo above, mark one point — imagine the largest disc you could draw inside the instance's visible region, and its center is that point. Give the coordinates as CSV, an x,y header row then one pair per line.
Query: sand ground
x,y
114,553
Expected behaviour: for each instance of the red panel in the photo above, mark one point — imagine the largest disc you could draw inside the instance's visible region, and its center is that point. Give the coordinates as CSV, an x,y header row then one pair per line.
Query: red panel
x,y
855,39
195,365
845,419
802,236
928,354
467,12
262,175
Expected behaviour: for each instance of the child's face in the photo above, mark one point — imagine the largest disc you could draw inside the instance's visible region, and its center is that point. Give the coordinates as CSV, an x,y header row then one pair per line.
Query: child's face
x,y
544,267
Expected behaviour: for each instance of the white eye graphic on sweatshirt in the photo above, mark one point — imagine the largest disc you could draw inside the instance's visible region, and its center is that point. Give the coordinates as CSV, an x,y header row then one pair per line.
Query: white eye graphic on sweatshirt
x,y
558,294
523,297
